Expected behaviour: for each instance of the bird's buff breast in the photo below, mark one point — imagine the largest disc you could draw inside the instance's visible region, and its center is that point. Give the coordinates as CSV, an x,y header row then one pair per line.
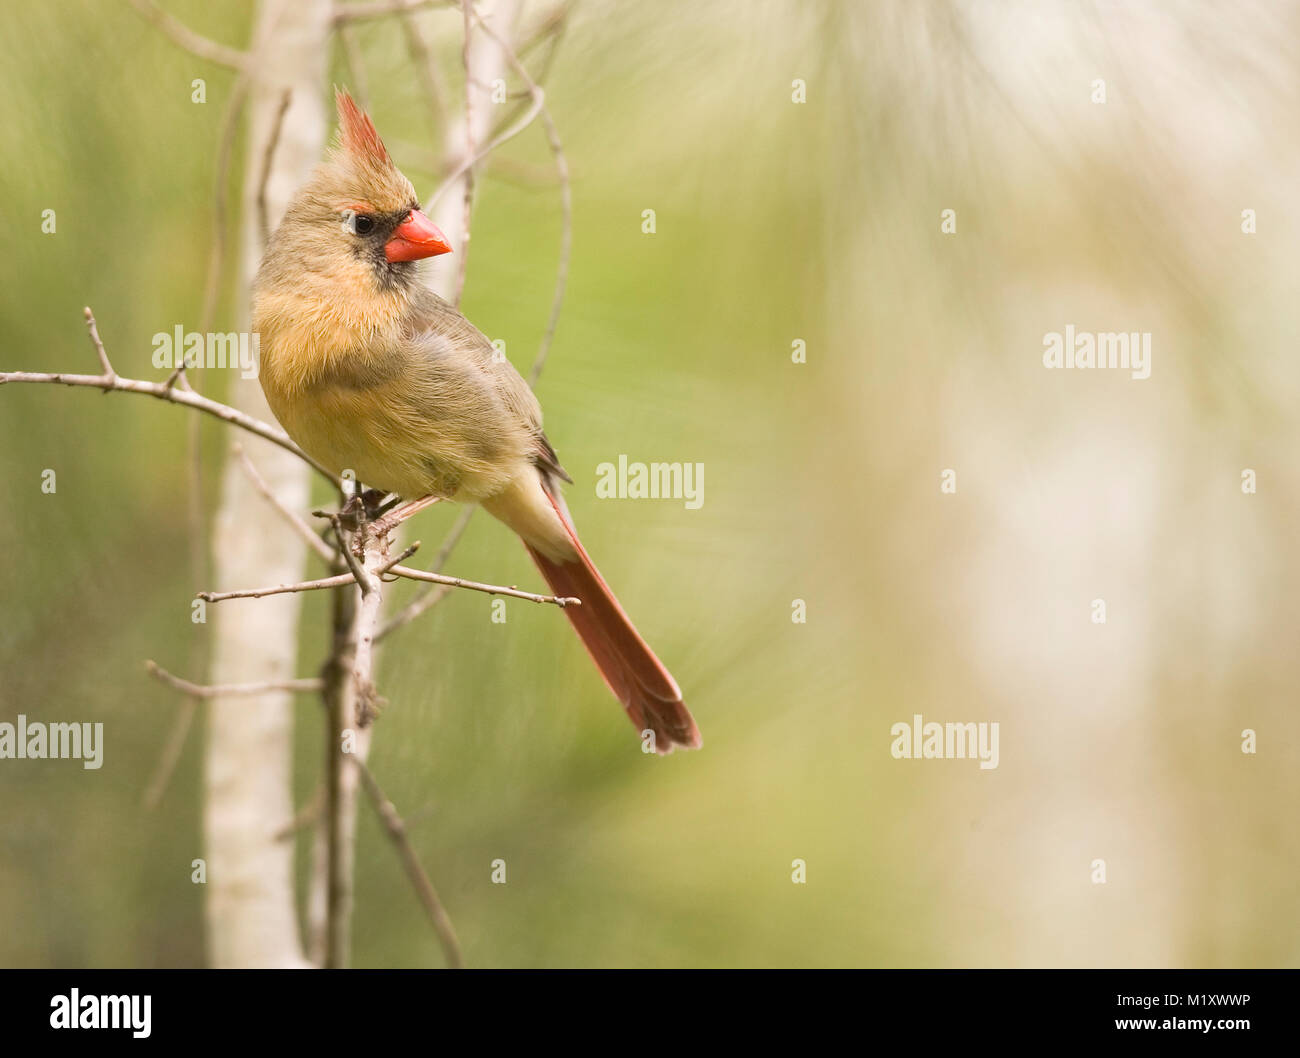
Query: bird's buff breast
x,y
361,417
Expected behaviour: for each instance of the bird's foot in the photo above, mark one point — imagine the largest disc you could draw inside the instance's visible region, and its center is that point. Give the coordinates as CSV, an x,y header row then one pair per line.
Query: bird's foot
x,y
353,514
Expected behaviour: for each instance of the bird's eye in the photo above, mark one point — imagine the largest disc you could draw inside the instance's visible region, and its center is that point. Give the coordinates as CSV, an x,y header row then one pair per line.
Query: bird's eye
x,y
358,223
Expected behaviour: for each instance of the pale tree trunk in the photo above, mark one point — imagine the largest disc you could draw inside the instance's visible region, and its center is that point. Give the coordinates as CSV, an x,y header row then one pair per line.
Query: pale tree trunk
x,y
251,917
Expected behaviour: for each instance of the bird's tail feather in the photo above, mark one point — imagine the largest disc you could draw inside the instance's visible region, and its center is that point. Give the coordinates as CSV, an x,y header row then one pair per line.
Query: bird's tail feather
x,y
638,679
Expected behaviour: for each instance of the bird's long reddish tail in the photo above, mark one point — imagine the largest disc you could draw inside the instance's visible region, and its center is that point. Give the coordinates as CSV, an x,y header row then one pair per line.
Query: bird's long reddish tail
x,y
638,678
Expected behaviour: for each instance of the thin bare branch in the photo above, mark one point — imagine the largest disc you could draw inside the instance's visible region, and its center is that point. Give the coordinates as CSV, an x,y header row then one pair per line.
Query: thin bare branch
x,y
489,589
308,814
195,43
171,754
566,249
356,65
431,596
221,690
114,383
221,190
352,699
172,395
328,896
426,65
197,535
357,574
408,551
549,31
548,28
345,13
197,524
424,889
367,624
393,566
268,155
522,174
97,342
339,581
345,549
471,161
462,262
194,693
566,192
298,524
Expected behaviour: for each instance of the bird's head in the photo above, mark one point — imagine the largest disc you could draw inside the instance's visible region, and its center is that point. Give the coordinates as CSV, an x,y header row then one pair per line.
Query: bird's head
x,y
357,221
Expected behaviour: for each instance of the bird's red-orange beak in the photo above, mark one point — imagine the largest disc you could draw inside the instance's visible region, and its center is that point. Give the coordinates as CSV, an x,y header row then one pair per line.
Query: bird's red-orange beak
x,y
415,238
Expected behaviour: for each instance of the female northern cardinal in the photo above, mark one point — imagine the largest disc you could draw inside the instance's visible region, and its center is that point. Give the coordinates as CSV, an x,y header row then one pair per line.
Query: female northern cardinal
x,y
368,370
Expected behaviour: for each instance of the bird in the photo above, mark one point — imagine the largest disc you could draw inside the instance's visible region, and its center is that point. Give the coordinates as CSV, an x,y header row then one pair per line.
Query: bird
x,y
370,371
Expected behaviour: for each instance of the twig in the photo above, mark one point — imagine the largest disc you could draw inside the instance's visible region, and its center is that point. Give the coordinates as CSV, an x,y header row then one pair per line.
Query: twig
x,y
490,589
345,13
408,551
547,28
186,38
548,31
342,580
268,154
415,871
225,151
368,574
329,900
171,754
362,574
308,814
566,191
299,526
352,699
431,596
185,397
355,64
194,693
566,249
113,382
426,64
197,535
566,200
469,162
221,690
98,343
358,573
522,174
462,261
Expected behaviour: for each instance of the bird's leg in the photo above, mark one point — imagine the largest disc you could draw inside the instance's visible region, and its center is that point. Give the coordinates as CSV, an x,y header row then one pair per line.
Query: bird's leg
x,y
381,527
353,513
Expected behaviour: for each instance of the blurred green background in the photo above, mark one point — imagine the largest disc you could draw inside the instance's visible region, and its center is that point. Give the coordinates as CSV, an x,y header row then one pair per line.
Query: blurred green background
x,y
776,221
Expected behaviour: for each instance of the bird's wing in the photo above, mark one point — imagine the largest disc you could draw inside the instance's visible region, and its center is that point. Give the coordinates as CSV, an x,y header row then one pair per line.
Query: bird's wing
x,y
433,317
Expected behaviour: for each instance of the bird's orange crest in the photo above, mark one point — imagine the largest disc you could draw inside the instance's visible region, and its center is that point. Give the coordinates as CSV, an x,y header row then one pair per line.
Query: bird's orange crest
x,y
360,138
